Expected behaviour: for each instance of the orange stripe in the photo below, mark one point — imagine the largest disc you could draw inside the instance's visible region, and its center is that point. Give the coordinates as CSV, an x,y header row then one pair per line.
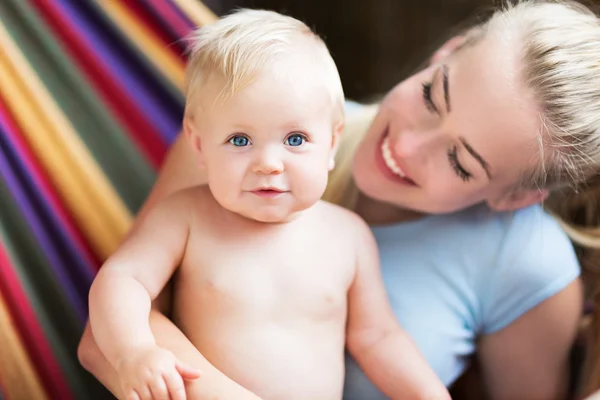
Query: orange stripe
x,y
18,377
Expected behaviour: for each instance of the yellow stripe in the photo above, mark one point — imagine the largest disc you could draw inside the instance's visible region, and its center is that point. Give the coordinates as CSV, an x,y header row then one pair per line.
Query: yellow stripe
x,y
87,193
167,63
19,379
196,11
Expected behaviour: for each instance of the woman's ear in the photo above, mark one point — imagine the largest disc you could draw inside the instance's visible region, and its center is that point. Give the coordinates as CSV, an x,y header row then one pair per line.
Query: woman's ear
x,y
338,129
518,199
447,48
190,131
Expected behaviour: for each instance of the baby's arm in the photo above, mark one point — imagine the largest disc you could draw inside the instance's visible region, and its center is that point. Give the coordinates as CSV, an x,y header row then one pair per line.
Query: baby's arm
x,y
375,339
121,295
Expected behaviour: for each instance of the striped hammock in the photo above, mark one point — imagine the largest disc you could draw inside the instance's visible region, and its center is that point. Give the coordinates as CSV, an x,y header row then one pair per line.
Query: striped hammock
x,y
90,99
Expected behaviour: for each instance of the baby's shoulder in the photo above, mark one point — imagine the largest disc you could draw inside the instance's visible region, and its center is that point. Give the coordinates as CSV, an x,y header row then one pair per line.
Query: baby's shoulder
x,y
334,212
191,203
196,198
340,220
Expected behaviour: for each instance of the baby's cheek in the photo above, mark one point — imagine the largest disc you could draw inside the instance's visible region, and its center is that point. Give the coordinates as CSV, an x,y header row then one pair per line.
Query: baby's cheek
x,y
313,185
224,190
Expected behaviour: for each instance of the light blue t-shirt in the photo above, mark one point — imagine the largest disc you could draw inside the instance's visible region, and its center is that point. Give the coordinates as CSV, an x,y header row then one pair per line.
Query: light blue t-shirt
x,y
453,277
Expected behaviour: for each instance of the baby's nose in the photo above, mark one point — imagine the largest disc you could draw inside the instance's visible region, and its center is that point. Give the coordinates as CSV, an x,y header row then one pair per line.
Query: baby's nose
x,y
268,162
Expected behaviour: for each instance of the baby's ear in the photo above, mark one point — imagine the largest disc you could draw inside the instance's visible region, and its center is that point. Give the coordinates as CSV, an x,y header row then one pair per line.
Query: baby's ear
x,y
338,129
192,134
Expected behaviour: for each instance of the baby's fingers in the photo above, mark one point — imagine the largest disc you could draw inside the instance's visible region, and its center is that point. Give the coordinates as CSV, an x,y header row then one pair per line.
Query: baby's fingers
x,y
187,371
159,389
175,385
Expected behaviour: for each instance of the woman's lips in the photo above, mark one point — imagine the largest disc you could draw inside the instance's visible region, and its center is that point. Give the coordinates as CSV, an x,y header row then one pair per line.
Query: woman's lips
x,y
387,162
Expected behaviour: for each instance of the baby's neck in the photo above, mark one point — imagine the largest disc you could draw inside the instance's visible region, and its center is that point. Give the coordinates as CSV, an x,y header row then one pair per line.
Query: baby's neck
x,y
375,212
246,220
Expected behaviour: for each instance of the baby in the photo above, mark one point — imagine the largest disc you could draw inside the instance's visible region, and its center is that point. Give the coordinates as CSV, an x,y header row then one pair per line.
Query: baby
x,y
271,282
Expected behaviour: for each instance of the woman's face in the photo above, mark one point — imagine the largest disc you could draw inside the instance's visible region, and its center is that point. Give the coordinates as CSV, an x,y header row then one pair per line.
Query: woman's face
x,y
454,135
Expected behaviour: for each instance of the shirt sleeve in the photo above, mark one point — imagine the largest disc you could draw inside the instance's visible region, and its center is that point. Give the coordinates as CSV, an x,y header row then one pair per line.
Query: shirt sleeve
x,y
535,261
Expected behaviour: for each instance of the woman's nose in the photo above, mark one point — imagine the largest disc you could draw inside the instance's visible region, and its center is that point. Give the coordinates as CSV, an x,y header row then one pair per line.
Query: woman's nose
x,y
412,143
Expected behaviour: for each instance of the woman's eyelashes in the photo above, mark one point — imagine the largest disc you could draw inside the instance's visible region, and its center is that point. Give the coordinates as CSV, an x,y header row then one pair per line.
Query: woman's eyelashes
x,y
458,168
427,97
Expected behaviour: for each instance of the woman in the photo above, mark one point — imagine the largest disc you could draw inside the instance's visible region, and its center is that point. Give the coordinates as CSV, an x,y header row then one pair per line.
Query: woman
x,y
449,170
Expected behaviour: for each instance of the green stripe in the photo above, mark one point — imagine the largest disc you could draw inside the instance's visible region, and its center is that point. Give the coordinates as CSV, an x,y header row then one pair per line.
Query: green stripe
x,y
174,91
117,156
60,325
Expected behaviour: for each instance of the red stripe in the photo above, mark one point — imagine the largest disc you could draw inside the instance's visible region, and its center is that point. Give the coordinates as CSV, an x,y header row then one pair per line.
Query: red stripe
x,y
31,331
149,20
43,184
176,21
125,109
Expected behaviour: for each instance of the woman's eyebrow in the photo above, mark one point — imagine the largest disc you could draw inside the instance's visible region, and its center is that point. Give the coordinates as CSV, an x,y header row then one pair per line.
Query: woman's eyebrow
x,y
477,157
446,87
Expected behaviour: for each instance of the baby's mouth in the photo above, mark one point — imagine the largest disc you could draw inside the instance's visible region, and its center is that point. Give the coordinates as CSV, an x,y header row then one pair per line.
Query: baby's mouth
x,y
268,192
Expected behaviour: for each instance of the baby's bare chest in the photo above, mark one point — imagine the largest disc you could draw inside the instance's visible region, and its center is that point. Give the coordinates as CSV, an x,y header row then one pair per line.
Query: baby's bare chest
x,y
281,276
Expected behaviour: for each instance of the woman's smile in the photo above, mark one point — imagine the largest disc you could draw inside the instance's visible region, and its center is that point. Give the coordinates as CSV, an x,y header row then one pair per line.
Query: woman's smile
x,y
388,162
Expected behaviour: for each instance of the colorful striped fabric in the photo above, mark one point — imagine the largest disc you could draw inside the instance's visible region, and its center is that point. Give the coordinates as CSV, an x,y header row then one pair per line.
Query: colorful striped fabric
x,y
90,100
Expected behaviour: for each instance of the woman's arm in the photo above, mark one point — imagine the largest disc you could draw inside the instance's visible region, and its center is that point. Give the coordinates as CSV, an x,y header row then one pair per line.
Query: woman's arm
x,y
384,351
212,384
529,358
179,171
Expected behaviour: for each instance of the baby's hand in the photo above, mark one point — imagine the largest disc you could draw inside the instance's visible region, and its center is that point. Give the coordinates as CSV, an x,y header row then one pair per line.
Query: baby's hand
x,y
153,373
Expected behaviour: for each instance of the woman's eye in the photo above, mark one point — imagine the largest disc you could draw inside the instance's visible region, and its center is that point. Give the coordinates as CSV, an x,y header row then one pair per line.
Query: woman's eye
x,y
427,97
456,166
295,140
239,141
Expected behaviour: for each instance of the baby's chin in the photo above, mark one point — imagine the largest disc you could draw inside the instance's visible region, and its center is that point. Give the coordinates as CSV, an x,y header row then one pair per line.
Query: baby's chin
x,y
270,216
278,211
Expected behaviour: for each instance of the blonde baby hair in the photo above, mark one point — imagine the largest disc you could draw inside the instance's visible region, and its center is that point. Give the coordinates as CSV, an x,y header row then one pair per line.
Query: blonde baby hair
x,y
235,49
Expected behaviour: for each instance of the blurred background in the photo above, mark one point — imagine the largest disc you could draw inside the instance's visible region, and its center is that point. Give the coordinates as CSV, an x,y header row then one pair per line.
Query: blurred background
x,y
375,43
90,100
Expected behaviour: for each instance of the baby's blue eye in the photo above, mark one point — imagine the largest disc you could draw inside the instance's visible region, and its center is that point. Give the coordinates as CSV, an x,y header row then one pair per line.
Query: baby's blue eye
x,y
295,140
239,141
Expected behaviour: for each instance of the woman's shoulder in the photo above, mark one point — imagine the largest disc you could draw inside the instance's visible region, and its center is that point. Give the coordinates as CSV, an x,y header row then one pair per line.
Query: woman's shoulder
x,y
532,230
522,226
529,237
534,259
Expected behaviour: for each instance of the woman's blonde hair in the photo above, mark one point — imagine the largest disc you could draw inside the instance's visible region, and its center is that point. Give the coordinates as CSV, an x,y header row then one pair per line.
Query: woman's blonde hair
x,y
560,56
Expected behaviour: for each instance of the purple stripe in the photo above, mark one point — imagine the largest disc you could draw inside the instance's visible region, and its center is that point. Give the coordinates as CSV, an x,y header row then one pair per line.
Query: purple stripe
x,y
160,106
43,237
191,24
169,19
80,267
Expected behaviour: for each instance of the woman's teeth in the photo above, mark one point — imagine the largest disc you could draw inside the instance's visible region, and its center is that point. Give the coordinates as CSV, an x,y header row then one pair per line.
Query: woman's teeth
x,y
389,160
